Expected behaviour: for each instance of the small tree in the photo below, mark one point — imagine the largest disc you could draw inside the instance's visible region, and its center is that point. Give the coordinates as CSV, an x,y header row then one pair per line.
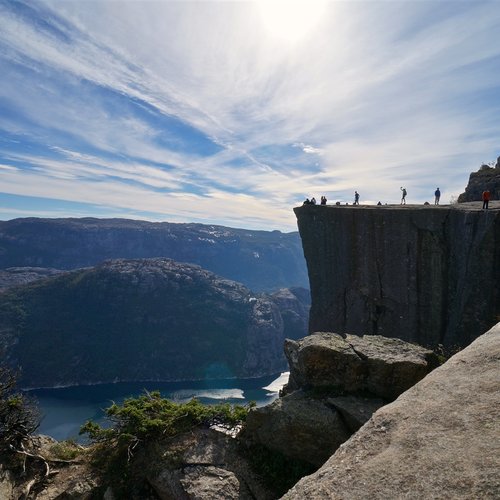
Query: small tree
x,y
19,416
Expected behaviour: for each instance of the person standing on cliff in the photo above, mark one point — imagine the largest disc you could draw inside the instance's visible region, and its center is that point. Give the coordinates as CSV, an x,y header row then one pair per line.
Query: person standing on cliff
x,y
486,199
403,197
437,195
356,198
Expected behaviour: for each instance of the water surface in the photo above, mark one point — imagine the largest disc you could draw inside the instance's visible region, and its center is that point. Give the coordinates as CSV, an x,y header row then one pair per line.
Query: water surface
x,y
64,410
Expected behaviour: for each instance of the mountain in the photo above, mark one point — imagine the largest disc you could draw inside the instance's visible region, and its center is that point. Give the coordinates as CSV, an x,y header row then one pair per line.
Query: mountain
x,y
261,260
142,319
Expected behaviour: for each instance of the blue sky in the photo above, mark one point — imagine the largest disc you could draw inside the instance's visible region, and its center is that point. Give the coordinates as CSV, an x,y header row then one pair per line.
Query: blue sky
x,y
233,112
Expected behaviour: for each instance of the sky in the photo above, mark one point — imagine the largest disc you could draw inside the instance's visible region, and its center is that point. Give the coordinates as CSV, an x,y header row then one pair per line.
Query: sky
x,y
233,112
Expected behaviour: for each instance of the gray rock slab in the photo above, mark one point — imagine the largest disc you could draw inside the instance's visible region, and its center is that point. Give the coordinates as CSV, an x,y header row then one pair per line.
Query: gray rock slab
x,y
325,360
440,439
383,367
393,365
299,427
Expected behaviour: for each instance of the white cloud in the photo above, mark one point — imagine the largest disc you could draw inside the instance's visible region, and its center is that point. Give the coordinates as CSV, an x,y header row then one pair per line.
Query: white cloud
x,y
376,94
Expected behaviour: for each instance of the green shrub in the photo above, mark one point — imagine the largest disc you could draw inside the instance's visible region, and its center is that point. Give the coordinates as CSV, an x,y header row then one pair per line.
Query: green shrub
x,y
150,416
66,450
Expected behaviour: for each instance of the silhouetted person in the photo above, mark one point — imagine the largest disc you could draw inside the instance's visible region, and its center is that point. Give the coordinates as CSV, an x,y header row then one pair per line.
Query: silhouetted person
x,y
403,197
437,195
379,203
307,201
313,201
356,198
323,200
486,199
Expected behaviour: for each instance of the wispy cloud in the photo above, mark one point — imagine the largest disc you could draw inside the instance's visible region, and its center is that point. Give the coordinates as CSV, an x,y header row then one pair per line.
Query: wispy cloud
x,y
195,111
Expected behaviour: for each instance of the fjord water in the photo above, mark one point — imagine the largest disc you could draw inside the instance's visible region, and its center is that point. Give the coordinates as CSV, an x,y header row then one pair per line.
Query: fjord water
x,y
64,410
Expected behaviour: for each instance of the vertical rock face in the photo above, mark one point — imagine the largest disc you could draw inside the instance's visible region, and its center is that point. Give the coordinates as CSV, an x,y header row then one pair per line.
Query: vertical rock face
x,y
423,274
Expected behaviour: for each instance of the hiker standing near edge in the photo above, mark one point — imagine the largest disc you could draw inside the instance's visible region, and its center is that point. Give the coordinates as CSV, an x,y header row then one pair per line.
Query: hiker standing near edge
x,y
403,197
356,198
437,195
486,199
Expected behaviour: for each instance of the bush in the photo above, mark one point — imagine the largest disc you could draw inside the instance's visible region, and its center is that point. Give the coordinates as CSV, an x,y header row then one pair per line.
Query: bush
x,y
19,415
147,419
150,416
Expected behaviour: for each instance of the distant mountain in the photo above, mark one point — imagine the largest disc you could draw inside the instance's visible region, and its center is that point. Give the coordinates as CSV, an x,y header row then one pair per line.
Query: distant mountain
x,y
144,319
261,260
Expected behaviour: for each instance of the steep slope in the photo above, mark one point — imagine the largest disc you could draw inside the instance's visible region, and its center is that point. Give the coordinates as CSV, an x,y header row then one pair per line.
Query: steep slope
x,y
146,319
440,439
261,260
420,273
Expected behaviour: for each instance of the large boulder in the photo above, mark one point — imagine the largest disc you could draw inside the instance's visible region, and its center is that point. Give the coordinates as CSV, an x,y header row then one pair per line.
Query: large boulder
x,y
382,367
336,384
440,439
324,360
202,464
298,426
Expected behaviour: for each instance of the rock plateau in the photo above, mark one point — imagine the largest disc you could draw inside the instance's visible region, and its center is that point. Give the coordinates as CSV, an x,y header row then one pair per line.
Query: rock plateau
x,y
424,274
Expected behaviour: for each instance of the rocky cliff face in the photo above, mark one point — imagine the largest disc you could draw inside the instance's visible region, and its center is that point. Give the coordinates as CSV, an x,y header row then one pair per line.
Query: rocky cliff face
x,y
424,274
143,319
485,178
261,260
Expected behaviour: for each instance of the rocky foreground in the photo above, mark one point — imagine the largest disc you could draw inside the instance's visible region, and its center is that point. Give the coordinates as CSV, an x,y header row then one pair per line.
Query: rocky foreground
x,y
440,439
337,382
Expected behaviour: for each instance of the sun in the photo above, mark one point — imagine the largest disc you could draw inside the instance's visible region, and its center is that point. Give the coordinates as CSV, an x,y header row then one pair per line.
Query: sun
x,y
291,20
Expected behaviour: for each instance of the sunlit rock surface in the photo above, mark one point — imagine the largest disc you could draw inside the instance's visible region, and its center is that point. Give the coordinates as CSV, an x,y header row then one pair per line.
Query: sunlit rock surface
x,y
440,439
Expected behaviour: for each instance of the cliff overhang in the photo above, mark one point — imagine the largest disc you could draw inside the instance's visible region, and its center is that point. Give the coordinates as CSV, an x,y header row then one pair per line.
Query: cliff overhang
x,y
424,274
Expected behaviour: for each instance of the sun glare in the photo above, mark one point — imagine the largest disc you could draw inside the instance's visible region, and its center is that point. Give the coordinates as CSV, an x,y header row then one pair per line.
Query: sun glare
x,y
290,20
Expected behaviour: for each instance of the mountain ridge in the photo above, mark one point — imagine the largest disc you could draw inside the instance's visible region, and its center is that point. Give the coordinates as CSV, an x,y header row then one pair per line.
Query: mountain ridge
x,y
261,260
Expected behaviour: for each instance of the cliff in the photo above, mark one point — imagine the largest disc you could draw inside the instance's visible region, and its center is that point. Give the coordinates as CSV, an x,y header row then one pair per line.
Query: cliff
x,y
440,439
261,260
420,273
143,319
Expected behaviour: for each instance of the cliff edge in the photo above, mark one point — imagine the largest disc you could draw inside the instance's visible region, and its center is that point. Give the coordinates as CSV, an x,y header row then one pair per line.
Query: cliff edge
x,y
426,274
440,439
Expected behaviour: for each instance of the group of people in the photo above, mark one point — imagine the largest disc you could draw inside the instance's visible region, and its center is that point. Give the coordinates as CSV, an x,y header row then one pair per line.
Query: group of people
x,y
437,195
